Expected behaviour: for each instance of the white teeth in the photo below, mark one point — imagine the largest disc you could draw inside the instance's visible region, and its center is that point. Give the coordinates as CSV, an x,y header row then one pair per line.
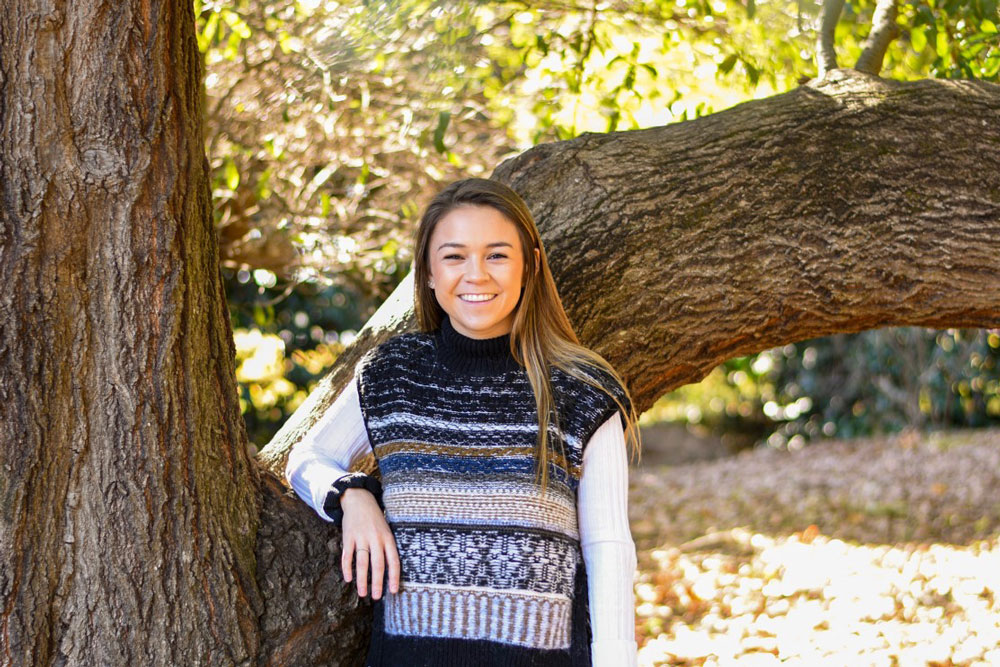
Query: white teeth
x,y
477,297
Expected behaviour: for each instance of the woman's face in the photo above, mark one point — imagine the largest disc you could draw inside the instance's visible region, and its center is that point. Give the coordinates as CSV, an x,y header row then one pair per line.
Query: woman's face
x,y
475,254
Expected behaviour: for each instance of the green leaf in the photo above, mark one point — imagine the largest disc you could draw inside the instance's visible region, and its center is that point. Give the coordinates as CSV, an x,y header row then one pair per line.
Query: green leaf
x,y
285,41
988,26
232,47
613,120
439,131
232,174
941,44
751,8
728,63
208,34
237,24
541,44
991,68
918,39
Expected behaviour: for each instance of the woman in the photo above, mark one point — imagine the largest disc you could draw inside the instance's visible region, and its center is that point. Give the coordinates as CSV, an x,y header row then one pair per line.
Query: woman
x,y
501,446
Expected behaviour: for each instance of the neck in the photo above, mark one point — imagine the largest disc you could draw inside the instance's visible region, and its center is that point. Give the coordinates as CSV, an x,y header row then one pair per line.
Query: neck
x,y
473,356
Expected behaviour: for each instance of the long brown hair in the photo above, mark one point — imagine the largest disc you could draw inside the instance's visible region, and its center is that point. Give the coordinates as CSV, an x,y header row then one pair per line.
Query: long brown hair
x,y
542,336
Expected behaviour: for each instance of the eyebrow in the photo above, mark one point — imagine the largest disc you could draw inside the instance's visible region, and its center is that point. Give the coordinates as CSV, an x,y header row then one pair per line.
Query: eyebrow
x,y
462,245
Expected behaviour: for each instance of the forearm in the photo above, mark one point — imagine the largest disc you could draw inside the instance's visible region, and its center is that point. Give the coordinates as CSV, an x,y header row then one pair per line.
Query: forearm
x,y
611,567
608,548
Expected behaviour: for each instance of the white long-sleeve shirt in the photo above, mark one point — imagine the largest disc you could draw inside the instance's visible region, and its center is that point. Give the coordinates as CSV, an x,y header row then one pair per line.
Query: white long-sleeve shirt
x,y
338,439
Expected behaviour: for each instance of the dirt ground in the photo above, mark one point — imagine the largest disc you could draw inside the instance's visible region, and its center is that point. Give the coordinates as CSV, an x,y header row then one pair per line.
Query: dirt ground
x,y
882,551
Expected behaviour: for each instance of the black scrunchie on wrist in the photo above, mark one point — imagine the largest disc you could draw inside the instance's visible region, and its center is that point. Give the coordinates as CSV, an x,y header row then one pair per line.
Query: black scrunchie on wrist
x,y
356,480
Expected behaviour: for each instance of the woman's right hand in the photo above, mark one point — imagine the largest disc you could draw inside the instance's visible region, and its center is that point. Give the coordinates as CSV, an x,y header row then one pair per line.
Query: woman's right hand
x,y
367,539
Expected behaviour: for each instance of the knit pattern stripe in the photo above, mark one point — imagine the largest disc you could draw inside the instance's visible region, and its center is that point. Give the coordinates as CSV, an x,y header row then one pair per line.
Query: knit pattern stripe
x,y
503,558
481,507
525,619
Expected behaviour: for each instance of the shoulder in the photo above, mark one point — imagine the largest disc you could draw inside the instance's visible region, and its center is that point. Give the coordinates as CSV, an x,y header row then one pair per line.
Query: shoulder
x,y
595,404
606,382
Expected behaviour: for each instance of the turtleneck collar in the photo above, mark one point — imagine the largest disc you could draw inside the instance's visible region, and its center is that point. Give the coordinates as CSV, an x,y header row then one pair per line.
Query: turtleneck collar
x,y
473,356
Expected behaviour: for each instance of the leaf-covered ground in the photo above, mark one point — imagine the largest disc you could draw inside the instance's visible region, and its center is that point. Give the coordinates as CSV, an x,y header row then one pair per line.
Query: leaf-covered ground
x,y
882,551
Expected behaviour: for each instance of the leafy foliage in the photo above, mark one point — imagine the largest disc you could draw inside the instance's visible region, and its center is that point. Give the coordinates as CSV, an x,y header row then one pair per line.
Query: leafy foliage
x,y
328,125
848,385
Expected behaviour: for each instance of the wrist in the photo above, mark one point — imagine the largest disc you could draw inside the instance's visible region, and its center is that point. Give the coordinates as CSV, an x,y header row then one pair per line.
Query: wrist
x,y
349,495
357,481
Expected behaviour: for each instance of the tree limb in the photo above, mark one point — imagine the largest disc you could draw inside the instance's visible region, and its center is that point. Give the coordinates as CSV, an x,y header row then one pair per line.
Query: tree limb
x,y
884,30
826,55
846,204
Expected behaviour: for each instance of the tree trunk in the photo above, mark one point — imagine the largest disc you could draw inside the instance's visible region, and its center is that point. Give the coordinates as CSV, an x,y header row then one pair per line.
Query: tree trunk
x,y
129,505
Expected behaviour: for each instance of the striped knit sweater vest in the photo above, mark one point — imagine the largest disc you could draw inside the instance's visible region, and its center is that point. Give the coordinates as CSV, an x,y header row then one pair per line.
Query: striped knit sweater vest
x,y
491,572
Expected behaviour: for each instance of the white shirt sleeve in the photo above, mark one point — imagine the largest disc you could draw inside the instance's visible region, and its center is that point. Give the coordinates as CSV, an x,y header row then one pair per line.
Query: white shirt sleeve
x,y
608,548
327,451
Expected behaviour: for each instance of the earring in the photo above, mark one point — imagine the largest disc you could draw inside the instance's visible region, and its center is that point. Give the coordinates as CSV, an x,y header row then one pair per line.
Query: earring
x,y
430,283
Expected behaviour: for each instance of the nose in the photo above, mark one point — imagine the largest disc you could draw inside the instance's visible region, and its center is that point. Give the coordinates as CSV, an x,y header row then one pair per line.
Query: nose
x,y
475,270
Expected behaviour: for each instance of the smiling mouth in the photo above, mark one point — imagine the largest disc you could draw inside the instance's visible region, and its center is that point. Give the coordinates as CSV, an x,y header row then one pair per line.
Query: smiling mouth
x,y
477,298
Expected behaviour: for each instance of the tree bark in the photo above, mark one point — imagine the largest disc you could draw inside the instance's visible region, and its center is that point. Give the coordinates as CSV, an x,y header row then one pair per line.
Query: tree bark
x,y
135,528
849,203
129,504
883,31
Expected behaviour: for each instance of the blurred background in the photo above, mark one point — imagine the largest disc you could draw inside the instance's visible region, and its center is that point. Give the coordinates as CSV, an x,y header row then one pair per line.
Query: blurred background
x,y
328,127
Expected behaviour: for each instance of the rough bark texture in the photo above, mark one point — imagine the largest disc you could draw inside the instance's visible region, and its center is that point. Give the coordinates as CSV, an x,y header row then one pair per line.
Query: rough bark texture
x,y
312,616
850,203
129,508
847,204
128,502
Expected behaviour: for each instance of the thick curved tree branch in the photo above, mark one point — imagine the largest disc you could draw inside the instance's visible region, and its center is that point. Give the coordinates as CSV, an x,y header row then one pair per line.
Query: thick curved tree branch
x,y
847,204
884,30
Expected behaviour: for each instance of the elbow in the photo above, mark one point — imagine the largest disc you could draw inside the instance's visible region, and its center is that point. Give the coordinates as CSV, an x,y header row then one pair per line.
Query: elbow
x,y
293,464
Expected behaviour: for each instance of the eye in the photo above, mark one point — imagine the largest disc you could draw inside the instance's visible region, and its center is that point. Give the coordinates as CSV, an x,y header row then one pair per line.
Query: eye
x,y
499,254
453,256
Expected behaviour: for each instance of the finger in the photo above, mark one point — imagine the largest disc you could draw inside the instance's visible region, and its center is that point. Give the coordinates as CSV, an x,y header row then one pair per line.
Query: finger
x,y
378,571
346,556
392,560
362,570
